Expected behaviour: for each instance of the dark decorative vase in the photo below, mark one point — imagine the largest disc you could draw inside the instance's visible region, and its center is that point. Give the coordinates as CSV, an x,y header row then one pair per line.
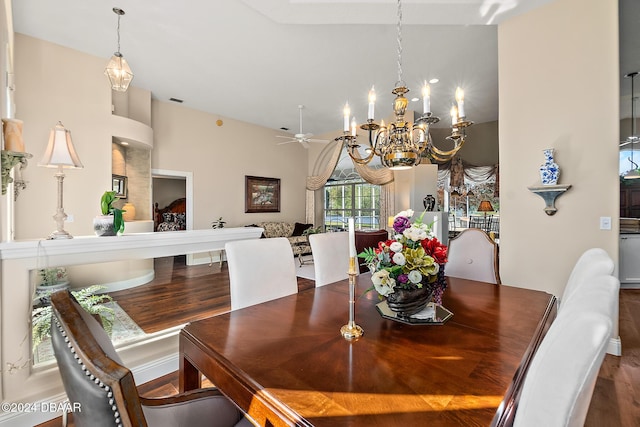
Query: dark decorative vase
x,y
406,302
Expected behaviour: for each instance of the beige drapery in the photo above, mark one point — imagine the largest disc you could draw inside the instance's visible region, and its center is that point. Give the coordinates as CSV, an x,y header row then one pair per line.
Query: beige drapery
x,y
457,170
382,177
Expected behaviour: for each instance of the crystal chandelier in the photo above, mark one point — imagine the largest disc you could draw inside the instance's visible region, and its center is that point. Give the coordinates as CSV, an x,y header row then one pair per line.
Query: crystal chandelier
x,y
402,145
118,70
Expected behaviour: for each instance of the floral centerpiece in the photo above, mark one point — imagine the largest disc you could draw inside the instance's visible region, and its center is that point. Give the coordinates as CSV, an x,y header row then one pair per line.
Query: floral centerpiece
x,y
411,263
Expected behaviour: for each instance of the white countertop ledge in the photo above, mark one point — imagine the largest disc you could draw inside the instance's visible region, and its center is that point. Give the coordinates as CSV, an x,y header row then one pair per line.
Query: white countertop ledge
x,y
128,246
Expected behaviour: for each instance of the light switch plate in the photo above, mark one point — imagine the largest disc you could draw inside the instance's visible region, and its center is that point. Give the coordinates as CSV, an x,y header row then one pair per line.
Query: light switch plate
x,y
605,223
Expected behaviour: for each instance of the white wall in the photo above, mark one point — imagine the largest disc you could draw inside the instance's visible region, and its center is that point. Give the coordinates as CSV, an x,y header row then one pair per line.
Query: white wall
x,y
558,89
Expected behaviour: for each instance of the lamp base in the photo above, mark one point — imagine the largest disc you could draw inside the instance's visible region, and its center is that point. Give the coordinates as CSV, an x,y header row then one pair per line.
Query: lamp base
x,y
59,234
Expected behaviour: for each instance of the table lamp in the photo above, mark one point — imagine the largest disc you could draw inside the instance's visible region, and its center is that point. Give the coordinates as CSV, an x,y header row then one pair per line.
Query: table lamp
x,y
60,154
485,206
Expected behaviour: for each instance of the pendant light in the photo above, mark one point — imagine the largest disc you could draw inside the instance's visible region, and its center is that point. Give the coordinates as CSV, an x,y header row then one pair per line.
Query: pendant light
x,y
634,173
118,70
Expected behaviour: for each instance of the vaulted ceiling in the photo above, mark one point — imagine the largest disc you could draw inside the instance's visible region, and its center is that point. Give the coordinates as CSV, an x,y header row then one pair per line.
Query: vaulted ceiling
x,y
257,60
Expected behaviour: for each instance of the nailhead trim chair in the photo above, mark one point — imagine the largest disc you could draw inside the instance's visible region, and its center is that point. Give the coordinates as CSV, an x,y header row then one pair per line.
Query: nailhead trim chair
x,y
95,378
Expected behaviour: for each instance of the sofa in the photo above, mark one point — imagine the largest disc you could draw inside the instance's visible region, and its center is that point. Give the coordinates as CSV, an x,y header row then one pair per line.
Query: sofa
x,y
292,231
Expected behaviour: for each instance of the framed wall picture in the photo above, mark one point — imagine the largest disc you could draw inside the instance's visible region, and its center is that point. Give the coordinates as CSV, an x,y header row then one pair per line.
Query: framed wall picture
x,y
119,186
261,194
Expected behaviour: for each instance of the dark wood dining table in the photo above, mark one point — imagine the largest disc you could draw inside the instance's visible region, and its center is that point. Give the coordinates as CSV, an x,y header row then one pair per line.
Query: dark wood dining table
x,y
284,362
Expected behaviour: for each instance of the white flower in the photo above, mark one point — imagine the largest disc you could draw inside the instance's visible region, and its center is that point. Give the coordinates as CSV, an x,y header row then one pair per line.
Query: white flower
x,y
416,232
383,283
399,259
396,247
415,276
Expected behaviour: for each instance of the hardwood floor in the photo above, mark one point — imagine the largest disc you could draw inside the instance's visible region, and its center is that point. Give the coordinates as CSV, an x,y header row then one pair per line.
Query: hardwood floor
x,y
181,293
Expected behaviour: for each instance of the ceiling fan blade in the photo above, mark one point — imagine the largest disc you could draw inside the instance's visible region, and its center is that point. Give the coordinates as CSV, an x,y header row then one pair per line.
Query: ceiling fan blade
x,y
282,136
286,142
304,144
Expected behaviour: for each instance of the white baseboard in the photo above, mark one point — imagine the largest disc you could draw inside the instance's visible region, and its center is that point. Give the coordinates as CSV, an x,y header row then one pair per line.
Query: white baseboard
x,y
142,374
130,283
615,346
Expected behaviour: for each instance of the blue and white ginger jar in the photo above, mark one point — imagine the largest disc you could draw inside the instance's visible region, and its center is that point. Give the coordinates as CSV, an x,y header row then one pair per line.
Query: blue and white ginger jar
x,y
549,171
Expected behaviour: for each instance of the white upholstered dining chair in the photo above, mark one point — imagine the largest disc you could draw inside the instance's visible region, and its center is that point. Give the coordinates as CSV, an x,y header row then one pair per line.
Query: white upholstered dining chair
x,y
599,294
260,270
473,255
559,384
593,262
330,257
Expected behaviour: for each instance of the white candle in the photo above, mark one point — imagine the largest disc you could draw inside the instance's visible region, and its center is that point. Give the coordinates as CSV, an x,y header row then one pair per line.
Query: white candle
x,y
353,127
454,116
372,103
347,113
426,98
352,239
460,99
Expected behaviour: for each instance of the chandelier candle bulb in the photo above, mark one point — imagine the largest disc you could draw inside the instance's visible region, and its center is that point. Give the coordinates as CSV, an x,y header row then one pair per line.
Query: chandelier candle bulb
x,y
460,99
353,126
346,112
454,116
352,239
372,103
426,98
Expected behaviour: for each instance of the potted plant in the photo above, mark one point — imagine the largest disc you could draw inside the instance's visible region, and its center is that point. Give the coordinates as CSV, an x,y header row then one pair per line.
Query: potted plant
x,y
87,298
219,223
51,280
110,223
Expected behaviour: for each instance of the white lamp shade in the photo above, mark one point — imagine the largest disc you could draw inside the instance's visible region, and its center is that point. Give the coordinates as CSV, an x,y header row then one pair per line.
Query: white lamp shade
x,y
60,150
119,73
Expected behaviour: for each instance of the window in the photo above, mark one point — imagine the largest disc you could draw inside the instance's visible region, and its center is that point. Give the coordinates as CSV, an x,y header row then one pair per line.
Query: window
x,y
357,199
625,160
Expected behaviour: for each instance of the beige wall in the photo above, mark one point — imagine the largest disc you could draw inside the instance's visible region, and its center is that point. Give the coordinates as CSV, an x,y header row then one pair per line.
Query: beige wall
x,y
56,83
481,147
558,89
220,157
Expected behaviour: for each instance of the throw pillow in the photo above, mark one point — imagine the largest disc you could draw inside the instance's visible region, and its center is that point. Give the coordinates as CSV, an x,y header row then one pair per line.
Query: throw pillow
x,y
298,228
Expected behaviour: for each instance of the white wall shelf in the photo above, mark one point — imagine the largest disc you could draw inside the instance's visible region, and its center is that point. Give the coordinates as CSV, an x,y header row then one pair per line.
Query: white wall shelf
x,y
549,194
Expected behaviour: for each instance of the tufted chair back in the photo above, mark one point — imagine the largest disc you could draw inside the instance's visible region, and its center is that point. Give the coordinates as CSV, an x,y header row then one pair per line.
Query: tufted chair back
x,y
92,373
95,379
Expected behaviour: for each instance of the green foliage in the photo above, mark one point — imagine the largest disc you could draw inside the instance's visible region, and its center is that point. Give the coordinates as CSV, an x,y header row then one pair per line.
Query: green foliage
x,y
368,254
106,207
87,298
106,202
219,223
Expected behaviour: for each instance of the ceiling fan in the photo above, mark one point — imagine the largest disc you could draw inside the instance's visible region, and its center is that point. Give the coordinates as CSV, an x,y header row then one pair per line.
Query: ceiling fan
x,y
303,138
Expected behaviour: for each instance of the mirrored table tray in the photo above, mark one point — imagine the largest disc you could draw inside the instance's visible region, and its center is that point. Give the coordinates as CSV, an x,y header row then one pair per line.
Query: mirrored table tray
x,y
442,315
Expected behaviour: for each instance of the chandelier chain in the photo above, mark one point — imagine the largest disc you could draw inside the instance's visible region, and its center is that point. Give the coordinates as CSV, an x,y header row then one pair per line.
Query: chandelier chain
x,y
118,32
399,40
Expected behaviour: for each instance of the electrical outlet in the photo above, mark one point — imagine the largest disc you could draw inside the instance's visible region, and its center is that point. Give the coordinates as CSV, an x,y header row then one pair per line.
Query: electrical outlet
x,y
605,223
